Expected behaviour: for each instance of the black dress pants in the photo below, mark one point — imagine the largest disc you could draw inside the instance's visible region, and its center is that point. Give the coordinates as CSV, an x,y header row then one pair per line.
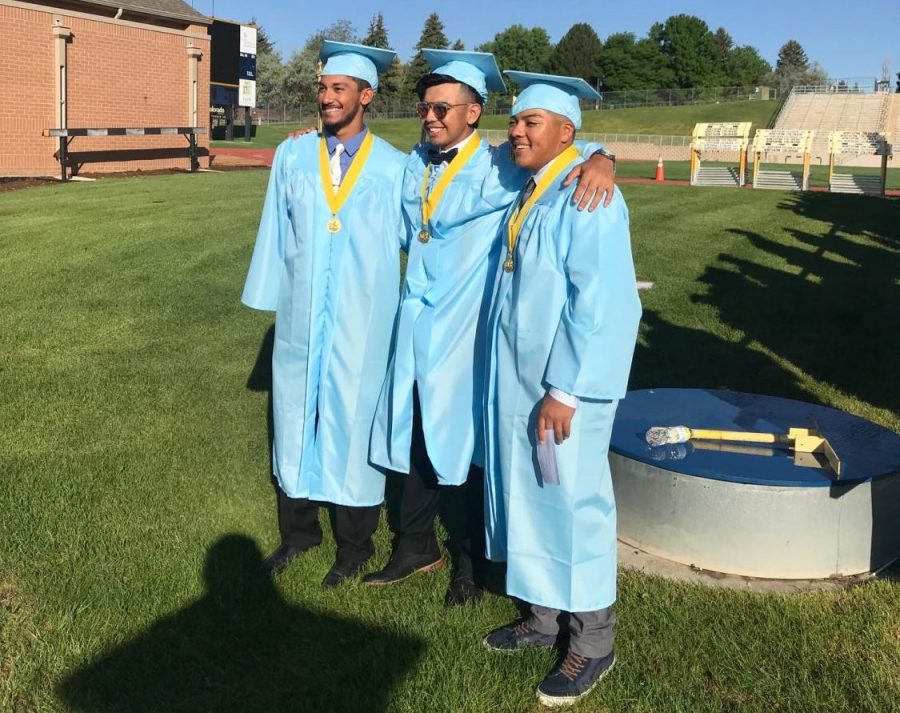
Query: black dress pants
x,y
461,508
353,526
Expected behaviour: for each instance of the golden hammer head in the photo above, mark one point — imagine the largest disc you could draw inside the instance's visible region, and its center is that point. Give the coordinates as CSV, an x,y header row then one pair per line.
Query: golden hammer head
x,y
806,440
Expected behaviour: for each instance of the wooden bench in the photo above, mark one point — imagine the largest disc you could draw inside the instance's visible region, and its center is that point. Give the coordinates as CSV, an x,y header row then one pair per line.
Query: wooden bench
x,y
65,136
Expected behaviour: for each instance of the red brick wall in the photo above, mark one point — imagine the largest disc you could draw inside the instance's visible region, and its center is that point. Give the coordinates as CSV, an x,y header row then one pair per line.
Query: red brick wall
x,y
119,75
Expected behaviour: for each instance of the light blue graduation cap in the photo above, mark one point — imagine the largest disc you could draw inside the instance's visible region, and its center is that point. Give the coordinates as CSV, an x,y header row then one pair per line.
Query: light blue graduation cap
x,y
552,93
357,61
477,69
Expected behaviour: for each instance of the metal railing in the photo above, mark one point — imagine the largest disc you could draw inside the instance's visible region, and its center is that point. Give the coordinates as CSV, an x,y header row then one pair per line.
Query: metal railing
x,y
498,136
851,85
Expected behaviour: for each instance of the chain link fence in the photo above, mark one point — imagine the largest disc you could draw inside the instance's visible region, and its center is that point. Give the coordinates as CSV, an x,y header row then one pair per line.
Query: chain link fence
x,y
401,107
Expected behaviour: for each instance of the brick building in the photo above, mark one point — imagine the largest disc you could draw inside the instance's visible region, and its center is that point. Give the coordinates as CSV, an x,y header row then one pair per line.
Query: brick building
x,y
100,63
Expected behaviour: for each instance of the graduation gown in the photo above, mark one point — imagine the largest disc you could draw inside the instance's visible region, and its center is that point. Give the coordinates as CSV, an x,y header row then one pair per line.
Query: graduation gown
x,y
335,298
566,317
439,343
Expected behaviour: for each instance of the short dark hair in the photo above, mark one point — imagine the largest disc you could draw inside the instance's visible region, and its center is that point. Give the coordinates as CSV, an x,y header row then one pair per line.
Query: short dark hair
x,y
360,85
433,80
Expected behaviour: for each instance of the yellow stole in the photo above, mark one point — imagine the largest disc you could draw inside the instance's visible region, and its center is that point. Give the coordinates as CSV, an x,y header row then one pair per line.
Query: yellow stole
x,y
517,219
431,201
336,200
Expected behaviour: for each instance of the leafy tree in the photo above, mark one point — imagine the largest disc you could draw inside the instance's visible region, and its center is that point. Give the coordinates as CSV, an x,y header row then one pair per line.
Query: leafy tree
x,y
746,67
692,52
791,58
270,69
300,75
577,54
270,76
432,37
628,63
516,47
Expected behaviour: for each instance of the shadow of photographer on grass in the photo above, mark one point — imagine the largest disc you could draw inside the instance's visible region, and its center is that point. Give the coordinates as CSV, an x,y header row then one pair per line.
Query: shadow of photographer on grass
x,y
242,648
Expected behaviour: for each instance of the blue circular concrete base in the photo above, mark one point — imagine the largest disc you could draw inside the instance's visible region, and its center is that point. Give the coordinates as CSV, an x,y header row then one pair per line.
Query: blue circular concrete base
x,y
750,510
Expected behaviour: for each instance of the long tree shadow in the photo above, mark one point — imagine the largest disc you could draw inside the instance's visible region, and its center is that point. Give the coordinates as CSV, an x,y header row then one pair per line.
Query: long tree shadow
x,y
832,312
241,649
674,356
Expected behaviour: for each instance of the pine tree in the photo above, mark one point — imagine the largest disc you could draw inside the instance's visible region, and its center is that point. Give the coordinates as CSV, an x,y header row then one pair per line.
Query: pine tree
x,y
793,68
791,57
432,37
264,44
391,82
458,46
377,35
577,54
724,42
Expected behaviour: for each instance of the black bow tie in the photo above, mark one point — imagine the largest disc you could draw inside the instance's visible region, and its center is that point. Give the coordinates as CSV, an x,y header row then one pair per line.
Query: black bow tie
x,y
437,157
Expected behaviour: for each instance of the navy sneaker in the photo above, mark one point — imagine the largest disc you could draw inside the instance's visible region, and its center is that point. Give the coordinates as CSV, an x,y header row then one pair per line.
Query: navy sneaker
x,y
517,636
573,679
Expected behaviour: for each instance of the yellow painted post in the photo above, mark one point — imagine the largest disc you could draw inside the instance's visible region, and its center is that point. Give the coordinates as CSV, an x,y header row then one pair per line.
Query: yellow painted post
x,y
806,161
743,165
695,160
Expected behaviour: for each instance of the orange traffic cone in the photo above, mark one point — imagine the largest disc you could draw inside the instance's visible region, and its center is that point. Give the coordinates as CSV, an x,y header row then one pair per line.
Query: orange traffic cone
x,y
660,171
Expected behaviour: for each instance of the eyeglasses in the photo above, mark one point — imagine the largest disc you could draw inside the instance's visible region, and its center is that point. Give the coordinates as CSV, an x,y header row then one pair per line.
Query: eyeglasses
x,y
440,109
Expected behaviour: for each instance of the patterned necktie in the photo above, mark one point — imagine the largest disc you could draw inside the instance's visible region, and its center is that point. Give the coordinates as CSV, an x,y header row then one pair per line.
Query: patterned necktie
x,y
526,193
334,166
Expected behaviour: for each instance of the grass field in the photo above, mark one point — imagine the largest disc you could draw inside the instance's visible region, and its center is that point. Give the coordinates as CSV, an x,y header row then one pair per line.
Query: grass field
x,y
136,500
664,121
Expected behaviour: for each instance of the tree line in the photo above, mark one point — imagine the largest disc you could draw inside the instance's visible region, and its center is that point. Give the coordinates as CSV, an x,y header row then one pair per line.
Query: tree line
x,y
682,52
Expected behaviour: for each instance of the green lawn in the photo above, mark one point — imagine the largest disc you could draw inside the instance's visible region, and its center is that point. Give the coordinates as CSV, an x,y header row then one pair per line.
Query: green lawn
x,y
664,121
136,500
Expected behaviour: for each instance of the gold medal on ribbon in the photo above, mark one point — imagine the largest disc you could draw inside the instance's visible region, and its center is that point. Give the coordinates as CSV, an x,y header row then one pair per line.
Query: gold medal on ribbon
x,y
509,264
424,236
334,200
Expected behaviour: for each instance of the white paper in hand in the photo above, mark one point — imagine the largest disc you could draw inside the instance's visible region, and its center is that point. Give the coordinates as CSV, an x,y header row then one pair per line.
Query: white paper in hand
x,y
546,458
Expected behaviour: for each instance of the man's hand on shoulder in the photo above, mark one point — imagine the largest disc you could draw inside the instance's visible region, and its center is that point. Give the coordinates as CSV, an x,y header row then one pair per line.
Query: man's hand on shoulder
x,y
301,132
596,179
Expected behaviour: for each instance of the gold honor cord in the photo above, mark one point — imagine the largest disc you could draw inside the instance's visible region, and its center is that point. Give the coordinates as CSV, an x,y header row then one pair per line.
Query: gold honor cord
x,y
431,202
337,200
519,214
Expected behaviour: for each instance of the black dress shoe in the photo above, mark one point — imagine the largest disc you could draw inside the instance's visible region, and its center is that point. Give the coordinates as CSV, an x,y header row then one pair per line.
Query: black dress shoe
x,y
341,570
573,679
278,561
403,565
462,591
517,636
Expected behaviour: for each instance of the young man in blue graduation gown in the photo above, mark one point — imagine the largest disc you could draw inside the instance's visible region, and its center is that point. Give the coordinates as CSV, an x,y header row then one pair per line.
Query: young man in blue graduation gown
x,y
327,261
455,191
561,334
